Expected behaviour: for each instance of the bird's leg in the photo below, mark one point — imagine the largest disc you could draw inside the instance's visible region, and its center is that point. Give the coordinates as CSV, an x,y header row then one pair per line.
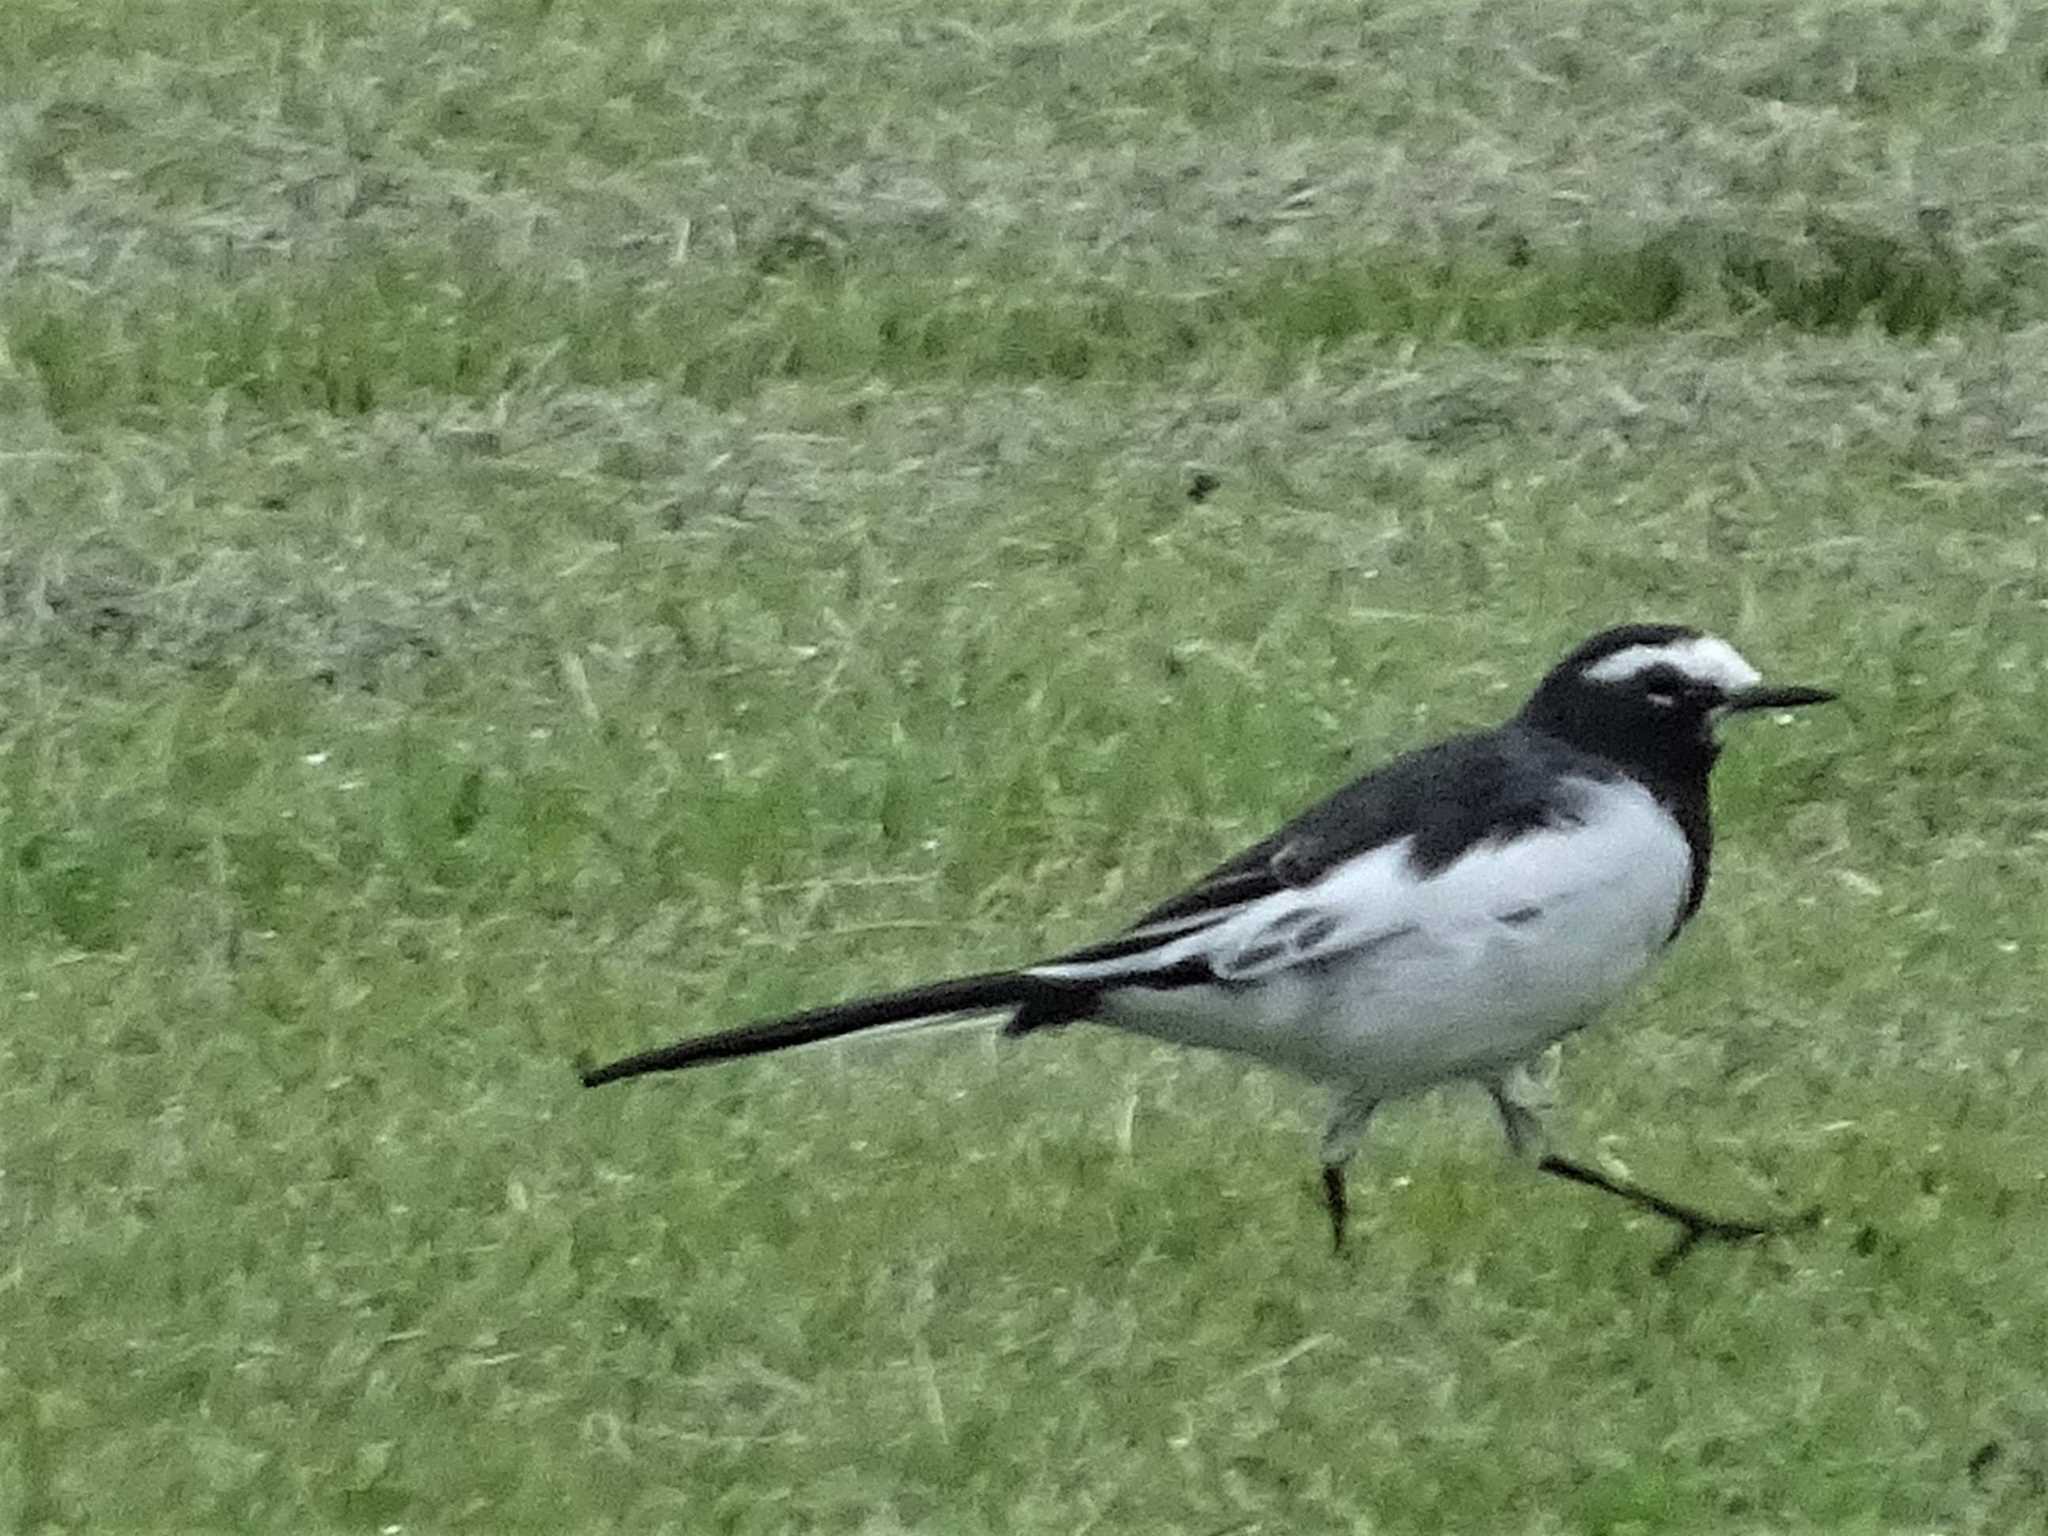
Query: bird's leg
x,y
1513,1098
1348,1119
1336,1202
1525,1134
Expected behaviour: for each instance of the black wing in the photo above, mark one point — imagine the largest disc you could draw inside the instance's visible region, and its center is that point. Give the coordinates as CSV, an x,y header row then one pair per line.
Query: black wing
x,y
1449,797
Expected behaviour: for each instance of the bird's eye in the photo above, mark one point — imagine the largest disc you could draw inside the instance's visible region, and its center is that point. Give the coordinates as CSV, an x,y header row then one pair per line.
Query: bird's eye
x,y
1663,700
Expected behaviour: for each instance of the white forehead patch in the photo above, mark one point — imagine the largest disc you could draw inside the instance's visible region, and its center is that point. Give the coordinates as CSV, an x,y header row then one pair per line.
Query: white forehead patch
x,y
1702,657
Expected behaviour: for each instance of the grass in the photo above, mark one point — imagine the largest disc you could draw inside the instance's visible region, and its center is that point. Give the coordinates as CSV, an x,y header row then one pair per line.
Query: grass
x,y
539,527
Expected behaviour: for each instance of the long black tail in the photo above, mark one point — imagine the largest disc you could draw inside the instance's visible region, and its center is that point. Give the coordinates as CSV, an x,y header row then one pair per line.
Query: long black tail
x,y
1047,1001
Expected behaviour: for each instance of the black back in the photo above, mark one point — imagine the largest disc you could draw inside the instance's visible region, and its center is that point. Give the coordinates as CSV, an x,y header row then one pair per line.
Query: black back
x,y
1450,797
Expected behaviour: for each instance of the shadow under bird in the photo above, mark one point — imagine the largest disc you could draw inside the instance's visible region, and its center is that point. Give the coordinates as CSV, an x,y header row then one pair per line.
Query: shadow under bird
x,y
1447,917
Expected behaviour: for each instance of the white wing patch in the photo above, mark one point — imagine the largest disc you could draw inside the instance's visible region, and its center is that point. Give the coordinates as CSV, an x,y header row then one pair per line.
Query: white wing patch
x,y
1302,934
1704,657
1624,838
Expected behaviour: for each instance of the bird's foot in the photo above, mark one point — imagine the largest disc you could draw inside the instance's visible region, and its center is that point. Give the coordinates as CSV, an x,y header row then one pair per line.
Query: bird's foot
x,y
1696,1227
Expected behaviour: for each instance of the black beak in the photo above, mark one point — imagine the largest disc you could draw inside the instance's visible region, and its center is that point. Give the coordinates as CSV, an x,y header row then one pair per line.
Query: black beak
x,y
1763,696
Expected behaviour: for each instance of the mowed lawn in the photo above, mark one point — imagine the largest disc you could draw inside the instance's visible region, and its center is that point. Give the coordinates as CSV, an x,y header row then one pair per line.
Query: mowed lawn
x,y
534,528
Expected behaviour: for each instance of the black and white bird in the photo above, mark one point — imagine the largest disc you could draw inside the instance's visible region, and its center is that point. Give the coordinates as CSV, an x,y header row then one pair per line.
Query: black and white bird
x,y
1445,918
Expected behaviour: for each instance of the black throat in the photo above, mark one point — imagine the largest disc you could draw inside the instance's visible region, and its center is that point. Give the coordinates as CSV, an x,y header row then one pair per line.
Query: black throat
x,y
1670,759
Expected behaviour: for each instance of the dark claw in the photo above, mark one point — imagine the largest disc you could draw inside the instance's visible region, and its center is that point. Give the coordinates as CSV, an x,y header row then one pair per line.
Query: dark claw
x,y
1712,1230
1673,1256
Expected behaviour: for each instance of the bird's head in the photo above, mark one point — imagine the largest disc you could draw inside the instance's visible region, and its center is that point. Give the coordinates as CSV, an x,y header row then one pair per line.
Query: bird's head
x,y
1654,690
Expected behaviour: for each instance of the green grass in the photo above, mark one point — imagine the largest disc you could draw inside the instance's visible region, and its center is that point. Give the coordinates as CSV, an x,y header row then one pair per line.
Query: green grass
x,y
536,528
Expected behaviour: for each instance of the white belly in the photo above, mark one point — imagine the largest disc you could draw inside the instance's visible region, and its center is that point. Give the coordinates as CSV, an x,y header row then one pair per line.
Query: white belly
x,y
1496,957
